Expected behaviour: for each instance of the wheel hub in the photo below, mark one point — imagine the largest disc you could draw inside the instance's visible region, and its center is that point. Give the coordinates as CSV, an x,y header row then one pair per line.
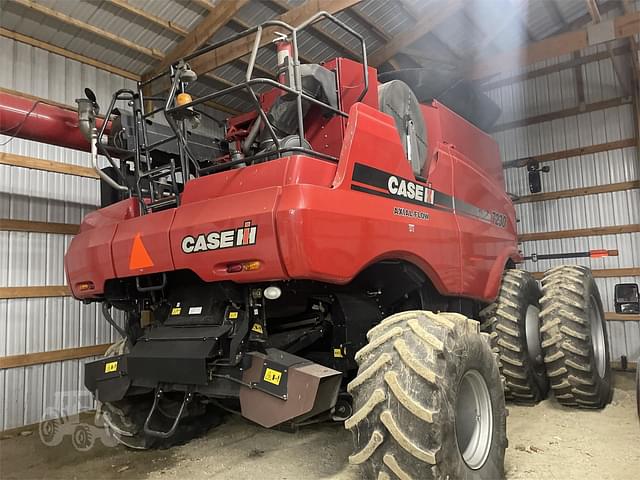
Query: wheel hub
x,y
474,419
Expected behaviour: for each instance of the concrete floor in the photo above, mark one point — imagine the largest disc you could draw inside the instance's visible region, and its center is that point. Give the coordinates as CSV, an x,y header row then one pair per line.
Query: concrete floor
x,y
546,441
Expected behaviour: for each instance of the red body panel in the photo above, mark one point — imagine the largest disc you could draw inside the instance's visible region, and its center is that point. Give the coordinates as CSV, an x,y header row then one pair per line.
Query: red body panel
x,y
326,222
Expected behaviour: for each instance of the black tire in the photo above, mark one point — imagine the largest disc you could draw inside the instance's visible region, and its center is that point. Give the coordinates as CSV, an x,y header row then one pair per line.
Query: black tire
x,y
514,326
574,338
407,419
125,418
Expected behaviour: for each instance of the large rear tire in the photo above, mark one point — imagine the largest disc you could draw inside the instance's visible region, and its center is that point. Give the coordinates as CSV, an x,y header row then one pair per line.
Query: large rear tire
x,y
428,400
513,321
574,338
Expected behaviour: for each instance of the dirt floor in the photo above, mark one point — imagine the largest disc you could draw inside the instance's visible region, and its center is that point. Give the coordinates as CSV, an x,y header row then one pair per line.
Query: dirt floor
x,y
546,442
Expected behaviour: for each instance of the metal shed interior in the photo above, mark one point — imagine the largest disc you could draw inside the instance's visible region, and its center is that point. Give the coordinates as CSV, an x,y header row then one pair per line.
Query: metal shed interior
x,y
569,97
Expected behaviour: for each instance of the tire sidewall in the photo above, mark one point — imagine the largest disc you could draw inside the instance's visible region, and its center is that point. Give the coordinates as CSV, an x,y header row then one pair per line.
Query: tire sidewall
x,y
477,357
605,388
531,297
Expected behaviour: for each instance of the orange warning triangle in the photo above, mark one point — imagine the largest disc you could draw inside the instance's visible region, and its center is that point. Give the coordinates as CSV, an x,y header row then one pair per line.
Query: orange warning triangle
x,y
139,256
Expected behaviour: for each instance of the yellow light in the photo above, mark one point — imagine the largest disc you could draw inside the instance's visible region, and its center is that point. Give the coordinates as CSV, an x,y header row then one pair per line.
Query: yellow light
x,y
251,266
183,99
84,286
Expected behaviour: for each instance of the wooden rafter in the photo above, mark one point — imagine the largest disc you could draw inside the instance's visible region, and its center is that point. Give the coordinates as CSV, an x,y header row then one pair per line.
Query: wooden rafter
x,y
541,72
624,26
67,54
370,24
74,22
424,24
161,22
621,68
211,23
240,48
319,31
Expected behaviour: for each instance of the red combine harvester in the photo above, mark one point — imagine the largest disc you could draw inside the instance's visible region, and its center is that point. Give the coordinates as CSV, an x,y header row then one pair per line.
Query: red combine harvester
x,y
324,260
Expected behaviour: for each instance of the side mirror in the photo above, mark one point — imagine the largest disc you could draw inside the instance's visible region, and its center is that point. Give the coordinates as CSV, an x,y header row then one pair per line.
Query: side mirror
x,y
627,298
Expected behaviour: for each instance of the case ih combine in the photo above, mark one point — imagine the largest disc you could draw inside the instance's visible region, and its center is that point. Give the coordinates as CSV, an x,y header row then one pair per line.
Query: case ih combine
x,y
334,257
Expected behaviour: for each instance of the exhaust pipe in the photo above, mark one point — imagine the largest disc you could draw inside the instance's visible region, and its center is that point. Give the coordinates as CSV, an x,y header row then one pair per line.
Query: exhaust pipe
x,y
87,125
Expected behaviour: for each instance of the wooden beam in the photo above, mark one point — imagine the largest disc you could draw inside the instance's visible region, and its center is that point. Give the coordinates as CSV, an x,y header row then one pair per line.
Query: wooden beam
x,y
569,112
27,359
35,292
427,22
621,68
541,72
7,224
369,23
67,54
623,26
572,152
46,165
319,31
240,48
580,232
240,25
161,22
603,273
621,317
212,22
74,22
578,192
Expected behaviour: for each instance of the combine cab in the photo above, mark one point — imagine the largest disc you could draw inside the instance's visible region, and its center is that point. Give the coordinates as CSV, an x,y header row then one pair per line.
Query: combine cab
x,y
322,261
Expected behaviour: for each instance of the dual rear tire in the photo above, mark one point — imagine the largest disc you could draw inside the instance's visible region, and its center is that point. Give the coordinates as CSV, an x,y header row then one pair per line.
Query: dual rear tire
x,y
554,338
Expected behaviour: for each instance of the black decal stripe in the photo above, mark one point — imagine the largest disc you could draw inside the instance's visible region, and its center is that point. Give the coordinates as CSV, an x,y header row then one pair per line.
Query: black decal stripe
x,y
371,176
374,177
378,193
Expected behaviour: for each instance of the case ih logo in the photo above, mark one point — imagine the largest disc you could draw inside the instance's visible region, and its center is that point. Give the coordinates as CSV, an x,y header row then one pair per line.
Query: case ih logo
x,y
407,189
239,237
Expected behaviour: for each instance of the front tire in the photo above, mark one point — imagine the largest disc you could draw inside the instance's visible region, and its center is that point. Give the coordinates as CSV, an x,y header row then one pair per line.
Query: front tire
x,y
574,338
428,400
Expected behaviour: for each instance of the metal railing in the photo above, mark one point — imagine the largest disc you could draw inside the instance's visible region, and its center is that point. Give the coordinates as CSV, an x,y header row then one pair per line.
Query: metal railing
x,y
175,114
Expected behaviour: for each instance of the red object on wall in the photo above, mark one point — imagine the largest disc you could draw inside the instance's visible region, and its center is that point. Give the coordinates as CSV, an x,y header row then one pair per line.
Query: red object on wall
x,y
43,122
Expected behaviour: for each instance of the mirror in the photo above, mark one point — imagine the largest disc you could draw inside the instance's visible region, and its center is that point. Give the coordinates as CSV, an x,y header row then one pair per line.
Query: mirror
x,y
627,298
90,95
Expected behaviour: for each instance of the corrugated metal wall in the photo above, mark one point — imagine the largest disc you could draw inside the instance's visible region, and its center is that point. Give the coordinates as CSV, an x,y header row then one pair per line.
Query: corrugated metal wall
x,y
35,259
554,92
38,325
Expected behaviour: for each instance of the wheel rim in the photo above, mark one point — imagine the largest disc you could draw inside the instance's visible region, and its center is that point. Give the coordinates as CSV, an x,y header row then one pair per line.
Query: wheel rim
x,y
532,333
597,338
474,419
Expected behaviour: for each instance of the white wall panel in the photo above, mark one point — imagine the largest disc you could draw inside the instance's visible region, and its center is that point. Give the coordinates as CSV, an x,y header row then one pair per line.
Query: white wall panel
x,y
554,92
